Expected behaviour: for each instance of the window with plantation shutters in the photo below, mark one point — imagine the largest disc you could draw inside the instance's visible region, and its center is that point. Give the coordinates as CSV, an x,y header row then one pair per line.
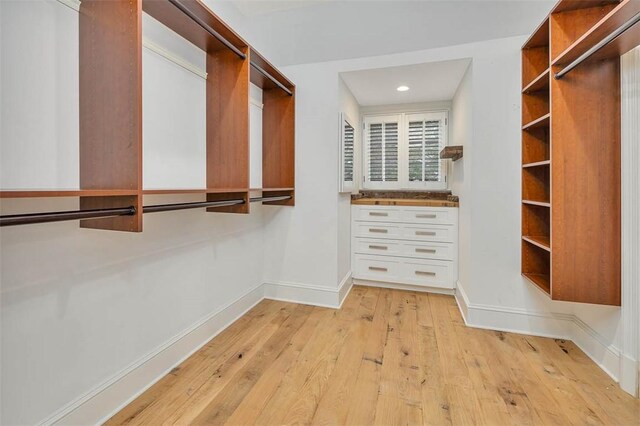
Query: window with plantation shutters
x,y
426,137
403,151
382,138
347,150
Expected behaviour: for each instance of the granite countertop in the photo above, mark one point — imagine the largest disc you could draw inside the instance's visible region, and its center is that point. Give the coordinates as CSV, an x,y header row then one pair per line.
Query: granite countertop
x,y
406,198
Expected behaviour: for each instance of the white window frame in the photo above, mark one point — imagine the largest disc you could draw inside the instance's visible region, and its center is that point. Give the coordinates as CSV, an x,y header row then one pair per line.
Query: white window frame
x,y
377,118
403,182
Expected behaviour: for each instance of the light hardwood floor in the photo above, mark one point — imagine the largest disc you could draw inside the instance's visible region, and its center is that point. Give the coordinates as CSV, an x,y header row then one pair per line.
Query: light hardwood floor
x,y
387,357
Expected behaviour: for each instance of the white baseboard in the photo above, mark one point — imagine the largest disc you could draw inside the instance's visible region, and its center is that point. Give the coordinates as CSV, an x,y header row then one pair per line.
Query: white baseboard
x,y
102,402
408,287
308,294
544,324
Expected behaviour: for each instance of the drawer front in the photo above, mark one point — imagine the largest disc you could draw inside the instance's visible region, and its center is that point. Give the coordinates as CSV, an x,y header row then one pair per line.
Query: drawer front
x,y
431,273
378,214
429,233
440,251
430,215
377,230
377,269
378,247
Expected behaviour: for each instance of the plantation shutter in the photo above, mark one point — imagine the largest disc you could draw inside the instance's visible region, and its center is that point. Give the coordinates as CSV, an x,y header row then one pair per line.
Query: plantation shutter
x,y
349,135
426,137
381,145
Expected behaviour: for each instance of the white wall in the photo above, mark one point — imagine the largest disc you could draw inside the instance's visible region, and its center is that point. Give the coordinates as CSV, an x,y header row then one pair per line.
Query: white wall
x,y
461,132
349,106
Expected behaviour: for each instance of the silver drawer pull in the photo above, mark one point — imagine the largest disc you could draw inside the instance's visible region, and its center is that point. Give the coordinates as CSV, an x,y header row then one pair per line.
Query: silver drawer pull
x,y
378,230
424,250
426,216
378,214
425,233
378,247
377,268
431,274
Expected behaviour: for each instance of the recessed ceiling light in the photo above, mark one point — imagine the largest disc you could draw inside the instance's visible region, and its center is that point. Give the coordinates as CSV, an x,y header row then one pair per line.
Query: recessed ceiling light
x,y
402,88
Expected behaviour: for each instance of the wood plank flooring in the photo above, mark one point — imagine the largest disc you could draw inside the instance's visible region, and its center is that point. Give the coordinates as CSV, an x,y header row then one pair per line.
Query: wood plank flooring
x,y
388,357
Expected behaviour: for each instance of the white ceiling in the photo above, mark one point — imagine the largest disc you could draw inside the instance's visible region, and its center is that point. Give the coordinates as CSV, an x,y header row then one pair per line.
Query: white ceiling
x,y
307,31
263,7
429,82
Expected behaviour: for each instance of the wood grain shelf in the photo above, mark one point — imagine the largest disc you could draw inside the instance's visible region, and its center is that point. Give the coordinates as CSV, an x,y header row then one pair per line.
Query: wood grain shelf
x,y
51,193
542,281
538,122
536,203
537,164
617,16
571,164
539,37
270,189
540,241
454,152
541,82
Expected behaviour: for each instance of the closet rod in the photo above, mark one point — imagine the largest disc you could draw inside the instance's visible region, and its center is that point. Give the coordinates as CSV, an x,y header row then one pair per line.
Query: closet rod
x,y
608,39
31,218
272,78
195,205
208,28
267,199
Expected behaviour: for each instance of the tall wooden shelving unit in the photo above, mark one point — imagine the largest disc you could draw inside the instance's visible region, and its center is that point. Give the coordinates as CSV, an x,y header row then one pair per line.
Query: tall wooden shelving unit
x,y
571,151
111,112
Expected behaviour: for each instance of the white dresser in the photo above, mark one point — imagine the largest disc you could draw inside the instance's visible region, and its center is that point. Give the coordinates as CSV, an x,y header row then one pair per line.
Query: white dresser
x,y
417,246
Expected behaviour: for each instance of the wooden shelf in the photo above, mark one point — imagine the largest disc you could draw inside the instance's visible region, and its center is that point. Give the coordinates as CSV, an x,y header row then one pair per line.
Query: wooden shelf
x,y
576,156
537,164
538,122
540,241
542,281
617,16
568,5
541,82
536,203
452,152
50,193
540,36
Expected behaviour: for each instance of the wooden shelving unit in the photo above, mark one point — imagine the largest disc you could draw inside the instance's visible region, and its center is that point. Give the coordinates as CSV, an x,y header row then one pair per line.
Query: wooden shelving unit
x,y
278,129
571,152
110,50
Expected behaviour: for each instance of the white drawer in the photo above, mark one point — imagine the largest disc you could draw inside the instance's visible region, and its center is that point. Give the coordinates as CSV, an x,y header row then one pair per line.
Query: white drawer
x,y
377,230
378,214
377,268
430,273
379,247
426,273
440,251
436,233
430,215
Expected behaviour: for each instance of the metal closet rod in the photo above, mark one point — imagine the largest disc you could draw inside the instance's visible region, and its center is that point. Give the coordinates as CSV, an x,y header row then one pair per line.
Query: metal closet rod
x,y
208,28
608,39
272,78
32,218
